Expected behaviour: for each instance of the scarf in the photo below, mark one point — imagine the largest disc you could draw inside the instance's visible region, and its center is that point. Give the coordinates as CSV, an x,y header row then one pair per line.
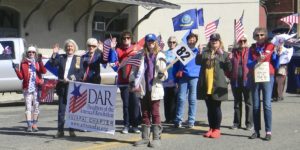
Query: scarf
x,y
32,78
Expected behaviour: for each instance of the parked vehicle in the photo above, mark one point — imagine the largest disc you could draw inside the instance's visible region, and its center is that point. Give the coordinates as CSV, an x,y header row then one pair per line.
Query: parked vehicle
x,y
12,49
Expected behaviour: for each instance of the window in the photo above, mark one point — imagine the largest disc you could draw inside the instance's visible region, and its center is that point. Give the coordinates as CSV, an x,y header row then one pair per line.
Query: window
x,y
115,27
7,50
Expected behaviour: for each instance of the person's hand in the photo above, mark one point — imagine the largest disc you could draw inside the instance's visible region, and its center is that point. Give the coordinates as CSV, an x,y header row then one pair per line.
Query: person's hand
x,y
39,58
160,75
179,74
220,51
200,48
261,58
230,56
73,78
100,45
15,66
55,48
113,43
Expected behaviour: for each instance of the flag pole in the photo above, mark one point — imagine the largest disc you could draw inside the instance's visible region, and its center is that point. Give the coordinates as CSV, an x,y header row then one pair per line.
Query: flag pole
x,y
290,28
234,32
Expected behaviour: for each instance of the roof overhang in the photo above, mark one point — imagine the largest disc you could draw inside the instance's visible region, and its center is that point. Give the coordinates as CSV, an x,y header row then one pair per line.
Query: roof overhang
x,y
153,3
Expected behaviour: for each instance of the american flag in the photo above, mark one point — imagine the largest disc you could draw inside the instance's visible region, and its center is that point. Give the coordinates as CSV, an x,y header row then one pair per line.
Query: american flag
x,y
161,43
136,59
106,47
211,28
291,19
78,100
47,91
239,28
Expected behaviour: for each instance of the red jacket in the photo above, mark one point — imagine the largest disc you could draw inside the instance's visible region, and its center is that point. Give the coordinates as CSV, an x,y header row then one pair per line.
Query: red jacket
x,y
123,73
24,74
268,49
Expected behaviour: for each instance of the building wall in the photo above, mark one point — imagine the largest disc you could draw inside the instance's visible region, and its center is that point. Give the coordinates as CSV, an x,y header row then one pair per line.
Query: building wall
x,y
226,10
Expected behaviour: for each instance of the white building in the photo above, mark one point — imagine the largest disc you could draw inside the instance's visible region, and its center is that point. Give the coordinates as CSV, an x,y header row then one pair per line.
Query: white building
x,y
45,22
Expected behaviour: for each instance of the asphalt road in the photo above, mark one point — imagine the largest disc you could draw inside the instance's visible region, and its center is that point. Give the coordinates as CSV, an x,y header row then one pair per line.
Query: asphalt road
x,y
285,134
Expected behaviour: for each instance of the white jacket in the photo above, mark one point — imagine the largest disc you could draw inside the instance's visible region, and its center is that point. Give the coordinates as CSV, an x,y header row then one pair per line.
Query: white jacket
x,y
138,76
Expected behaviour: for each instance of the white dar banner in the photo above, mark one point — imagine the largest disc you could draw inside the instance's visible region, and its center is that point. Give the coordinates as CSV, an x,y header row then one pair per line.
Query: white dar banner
x,y
91,107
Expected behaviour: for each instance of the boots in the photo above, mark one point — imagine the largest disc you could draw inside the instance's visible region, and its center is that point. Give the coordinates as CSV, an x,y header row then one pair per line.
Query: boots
x,y
157,129
145,136
72,133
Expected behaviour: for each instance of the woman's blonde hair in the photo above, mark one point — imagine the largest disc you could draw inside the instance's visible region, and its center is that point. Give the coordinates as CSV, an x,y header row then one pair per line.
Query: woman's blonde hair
x,y
156,48
72,42
221,45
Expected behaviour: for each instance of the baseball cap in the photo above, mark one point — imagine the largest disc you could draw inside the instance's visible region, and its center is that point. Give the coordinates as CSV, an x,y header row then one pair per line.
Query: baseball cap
x,y
215,36
31,49
150,37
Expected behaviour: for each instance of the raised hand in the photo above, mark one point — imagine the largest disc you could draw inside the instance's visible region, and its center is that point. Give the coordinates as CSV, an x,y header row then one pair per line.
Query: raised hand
x,y
100,45
56,48
113,43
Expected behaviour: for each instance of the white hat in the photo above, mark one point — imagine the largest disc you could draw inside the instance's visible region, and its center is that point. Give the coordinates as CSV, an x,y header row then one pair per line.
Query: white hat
x,y
92,41
32,49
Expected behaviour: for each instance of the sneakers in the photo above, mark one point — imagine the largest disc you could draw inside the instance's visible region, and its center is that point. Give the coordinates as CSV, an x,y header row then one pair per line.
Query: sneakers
x,y
216,133
254,136
208,133
125,130
35,128
29,129
249,128
178,125
268,137
135,130
234,127
190,126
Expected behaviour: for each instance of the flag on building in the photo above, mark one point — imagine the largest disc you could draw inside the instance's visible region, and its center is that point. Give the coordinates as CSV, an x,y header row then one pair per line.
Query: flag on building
x,y
160,41
239,28
291,19
186,20
200,17
47,91
211,28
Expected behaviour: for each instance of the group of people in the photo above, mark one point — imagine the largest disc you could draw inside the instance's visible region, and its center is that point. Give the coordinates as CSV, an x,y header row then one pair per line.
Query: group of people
x,y
160,76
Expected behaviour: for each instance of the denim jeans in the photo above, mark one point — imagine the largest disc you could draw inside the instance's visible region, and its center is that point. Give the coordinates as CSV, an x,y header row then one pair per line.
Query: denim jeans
x,y
187,85
131,108
266,88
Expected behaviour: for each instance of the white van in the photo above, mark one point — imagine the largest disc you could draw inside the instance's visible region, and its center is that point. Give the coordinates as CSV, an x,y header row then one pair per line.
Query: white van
x,y
12,49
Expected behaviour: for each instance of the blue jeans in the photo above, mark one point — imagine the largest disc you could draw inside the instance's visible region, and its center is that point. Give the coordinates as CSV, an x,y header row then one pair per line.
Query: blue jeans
x,y
187,85
266,88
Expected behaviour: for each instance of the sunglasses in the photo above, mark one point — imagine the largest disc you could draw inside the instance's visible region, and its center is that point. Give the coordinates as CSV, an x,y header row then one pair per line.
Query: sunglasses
x,y
29,52
243,41
126,38
257,35
93,46
172,42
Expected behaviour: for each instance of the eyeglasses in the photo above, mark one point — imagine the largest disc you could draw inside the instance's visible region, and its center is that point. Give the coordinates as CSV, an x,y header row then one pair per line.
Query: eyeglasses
x,y
31,52
257,35
126,38
243,41
172,42
93,46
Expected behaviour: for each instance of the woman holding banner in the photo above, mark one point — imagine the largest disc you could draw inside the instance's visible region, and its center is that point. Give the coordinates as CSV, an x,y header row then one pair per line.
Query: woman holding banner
x,y
151,89
30,72
261,58
212,84
69,69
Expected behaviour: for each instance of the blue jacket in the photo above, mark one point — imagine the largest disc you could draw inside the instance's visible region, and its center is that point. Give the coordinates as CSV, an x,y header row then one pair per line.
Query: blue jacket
x,y
191,69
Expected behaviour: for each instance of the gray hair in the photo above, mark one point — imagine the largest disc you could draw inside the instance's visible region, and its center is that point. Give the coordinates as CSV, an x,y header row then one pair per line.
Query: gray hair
x,y
260,29
72,42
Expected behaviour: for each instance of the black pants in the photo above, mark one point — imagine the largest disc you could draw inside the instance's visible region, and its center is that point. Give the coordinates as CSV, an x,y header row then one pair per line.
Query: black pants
x,y
214,113
170,103
239,94
131,108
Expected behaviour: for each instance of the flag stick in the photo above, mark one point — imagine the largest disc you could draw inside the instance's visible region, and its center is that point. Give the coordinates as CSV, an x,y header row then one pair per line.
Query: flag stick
x,y
290,28
170,65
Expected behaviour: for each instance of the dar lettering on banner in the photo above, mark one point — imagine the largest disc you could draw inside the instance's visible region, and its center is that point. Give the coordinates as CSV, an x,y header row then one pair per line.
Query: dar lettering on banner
x,y
91,107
